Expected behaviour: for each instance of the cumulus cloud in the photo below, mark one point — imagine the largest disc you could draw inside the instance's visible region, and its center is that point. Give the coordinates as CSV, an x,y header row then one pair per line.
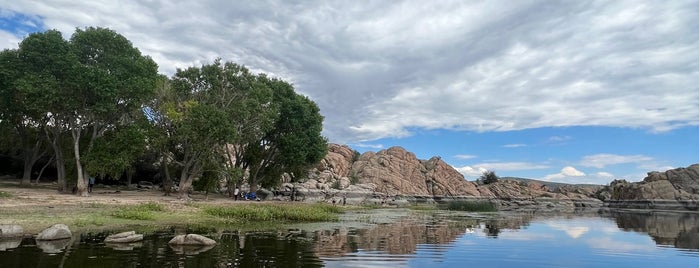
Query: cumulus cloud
x,y
382,68
478,169
566,172
603,160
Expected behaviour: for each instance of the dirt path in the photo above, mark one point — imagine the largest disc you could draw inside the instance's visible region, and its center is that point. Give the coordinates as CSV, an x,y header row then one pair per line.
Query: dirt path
x,y
45,194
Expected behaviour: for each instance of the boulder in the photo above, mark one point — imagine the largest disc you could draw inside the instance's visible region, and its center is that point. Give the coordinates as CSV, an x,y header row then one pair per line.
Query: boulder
x,y
55,232
192,239
124,237
11,230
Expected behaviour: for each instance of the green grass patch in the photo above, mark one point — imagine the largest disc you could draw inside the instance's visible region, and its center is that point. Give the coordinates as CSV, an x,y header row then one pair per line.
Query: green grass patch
x,y
142,212
5,194
276,212
474,206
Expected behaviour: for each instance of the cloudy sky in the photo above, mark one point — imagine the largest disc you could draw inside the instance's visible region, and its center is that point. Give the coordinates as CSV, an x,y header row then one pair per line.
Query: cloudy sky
x,y
571,91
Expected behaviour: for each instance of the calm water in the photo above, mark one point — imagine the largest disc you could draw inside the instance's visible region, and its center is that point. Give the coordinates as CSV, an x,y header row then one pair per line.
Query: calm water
x,y
399,238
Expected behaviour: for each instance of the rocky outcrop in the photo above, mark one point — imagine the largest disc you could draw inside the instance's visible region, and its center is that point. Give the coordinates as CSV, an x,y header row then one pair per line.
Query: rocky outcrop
x,y
396,176
672,189
55,232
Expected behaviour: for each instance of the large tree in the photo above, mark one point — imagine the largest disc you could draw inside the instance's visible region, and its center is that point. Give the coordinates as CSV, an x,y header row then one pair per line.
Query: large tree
x,y
30,78
222,119
114,82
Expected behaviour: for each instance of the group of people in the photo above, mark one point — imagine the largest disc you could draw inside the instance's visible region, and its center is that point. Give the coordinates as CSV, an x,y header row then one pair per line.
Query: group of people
x,y
243,195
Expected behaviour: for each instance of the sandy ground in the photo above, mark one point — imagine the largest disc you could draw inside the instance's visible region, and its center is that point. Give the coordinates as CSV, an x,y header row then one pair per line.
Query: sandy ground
x,y
45,194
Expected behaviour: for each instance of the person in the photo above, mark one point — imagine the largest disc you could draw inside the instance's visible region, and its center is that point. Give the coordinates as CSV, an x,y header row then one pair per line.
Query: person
x,y
236,192
344,199
90,184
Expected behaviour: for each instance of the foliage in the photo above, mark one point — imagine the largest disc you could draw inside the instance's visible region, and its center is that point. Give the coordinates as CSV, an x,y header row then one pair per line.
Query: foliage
x,y
139,212
337,185
354,178
276,212
5,194
489,177
474,206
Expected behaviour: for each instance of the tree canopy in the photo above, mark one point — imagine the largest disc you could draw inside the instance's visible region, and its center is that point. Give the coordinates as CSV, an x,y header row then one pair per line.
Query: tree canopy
x,y
96,101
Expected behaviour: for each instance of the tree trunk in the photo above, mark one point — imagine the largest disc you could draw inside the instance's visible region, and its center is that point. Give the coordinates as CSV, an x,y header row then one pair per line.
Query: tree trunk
x,y
61,171
27,174
42,169
185,184
60,161
167,181
81,182
129,176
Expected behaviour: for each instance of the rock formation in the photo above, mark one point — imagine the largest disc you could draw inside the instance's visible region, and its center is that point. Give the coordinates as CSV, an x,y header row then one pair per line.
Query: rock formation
x,y
378,177
672,189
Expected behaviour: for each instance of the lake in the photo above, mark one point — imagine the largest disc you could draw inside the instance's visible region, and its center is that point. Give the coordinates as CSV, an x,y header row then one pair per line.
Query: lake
x,y
400,238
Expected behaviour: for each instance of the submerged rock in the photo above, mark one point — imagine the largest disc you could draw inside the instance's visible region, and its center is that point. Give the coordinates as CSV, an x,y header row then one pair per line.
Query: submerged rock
x,y
124,237
55,232
192,239
190,249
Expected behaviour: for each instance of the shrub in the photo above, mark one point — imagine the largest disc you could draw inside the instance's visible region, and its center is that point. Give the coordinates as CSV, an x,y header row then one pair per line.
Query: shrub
x,y
489,177
354,178
474,206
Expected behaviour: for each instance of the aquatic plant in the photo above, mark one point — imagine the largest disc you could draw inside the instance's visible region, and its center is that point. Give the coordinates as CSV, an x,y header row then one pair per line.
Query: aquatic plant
x,y
276,212
475,206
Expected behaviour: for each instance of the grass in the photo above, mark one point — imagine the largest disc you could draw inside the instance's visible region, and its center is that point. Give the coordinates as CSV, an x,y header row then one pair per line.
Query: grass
x,y
141,212
276,212
5,194
473,206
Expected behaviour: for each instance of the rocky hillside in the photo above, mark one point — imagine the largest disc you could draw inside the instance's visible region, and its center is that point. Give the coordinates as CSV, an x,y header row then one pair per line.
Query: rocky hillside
x,y
672,189
395,171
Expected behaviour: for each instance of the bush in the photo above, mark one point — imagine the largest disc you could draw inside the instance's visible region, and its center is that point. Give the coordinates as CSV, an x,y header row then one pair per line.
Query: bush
x,y
489,177
474,206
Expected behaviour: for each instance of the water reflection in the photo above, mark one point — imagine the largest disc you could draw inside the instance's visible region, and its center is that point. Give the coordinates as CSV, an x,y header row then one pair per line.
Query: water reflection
x,y
446,239
680,230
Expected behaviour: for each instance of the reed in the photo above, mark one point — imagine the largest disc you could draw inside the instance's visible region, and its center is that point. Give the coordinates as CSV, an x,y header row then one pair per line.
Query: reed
x,y
276,212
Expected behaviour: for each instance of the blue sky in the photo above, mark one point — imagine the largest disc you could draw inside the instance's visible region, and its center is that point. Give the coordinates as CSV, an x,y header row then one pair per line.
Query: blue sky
x,y
571,91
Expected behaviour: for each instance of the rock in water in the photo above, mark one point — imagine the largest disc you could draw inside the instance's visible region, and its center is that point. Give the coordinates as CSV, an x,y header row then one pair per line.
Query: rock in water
x,y
55,232
11,230
124,237
192,239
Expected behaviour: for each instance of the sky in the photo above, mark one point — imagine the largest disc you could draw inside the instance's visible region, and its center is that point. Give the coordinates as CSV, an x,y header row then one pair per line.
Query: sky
x,y
566,91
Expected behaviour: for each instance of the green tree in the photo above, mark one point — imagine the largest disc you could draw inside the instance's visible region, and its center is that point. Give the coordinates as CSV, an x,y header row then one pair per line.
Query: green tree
x,y
31,75
114,82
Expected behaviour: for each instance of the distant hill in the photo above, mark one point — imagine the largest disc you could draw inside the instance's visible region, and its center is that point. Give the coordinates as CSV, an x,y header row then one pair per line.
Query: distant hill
x,y
551,185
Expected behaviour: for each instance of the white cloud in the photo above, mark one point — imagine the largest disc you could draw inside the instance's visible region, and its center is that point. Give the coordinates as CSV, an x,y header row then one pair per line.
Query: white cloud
x,y
469,171
367,145
465,156
559,139
8,40
566,172
603,160
380,69
478,169
514,145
